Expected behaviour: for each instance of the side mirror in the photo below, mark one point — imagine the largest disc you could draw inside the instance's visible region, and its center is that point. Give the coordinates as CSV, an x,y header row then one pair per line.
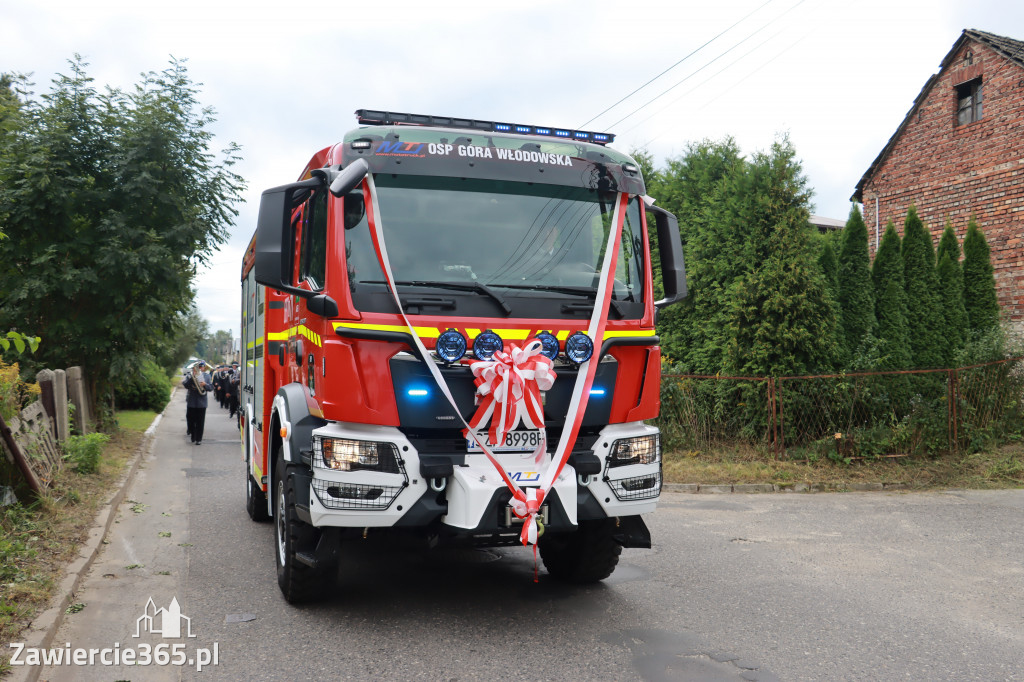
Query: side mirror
x,y
275,235
322,305
349,177
354,209
673,269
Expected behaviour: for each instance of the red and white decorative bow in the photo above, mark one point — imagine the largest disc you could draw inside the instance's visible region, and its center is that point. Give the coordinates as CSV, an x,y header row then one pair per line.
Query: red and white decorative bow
x,y
508,388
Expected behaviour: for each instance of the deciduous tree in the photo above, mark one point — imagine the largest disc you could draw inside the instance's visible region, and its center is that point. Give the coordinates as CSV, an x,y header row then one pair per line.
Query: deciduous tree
x,y
110,201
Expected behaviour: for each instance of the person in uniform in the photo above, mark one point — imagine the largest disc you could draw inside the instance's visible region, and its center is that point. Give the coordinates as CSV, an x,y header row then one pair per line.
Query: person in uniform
x,y
197,383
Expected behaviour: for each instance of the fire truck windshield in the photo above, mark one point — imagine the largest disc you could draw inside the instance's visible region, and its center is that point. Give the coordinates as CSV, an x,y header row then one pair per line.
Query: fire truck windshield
x,y
512,236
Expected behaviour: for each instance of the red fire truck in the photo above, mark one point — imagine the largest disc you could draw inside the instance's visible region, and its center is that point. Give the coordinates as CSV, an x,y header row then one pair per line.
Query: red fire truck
x,y
448,327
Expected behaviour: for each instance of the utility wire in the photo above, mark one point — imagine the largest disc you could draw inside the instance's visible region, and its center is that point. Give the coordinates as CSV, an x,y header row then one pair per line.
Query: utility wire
x,y
705,81
744,78
747,16
665,92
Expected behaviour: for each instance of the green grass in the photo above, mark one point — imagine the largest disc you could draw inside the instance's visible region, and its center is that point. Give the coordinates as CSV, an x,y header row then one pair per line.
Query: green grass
x,y
998,467
135,420
39,538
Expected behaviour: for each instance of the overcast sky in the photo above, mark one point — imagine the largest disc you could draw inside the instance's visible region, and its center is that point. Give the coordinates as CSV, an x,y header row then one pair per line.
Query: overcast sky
x,y
837,76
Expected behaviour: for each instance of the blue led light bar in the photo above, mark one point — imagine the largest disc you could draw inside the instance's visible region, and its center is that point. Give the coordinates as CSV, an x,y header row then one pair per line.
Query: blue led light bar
x,y
373,117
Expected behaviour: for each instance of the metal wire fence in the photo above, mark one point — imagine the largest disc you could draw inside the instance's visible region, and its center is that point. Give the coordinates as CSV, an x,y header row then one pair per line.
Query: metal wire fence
x,y
864,414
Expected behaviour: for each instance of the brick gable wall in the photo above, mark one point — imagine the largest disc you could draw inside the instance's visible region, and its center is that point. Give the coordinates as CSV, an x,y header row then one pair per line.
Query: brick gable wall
x,y
952,171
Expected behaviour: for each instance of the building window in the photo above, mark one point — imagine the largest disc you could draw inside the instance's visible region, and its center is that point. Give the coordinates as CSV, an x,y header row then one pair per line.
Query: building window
x,y
968,102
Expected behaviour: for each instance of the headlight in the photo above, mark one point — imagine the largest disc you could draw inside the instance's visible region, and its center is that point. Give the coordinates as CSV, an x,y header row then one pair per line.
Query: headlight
x,y
345,455
486,345
450,346
579,347
639,450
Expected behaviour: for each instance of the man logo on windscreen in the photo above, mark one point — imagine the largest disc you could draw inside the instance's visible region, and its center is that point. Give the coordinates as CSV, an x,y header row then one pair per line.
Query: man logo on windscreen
x,y
399,148
164,622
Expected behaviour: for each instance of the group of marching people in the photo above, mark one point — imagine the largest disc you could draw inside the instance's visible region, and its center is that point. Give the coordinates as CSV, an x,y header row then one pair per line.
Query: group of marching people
x,y
224,382
225,387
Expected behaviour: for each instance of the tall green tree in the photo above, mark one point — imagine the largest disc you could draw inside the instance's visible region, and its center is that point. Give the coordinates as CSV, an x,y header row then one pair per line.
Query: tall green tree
x,y
779,315
856,294
829,268
891,302
110,201
979,282
693,188
924,314
951,291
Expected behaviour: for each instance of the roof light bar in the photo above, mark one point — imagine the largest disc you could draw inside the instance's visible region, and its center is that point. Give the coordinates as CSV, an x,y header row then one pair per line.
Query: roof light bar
x,y
373,117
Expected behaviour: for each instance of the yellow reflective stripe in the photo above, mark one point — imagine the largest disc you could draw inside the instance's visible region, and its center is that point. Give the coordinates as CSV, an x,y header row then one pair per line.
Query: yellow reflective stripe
x,y
430,332
629,334
278,336
303,330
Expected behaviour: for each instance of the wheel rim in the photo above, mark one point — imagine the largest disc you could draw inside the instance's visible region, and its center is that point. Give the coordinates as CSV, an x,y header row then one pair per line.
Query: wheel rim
x,y
279,512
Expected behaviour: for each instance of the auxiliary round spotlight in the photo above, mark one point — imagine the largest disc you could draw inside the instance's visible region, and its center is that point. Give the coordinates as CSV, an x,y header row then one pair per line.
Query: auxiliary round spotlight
x,y
450,346
549,345
579,347
486,345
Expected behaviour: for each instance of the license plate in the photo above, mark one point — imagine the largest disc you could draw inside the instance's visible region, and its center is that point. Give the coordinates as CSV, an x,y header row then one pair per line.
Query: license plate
x,y
515,441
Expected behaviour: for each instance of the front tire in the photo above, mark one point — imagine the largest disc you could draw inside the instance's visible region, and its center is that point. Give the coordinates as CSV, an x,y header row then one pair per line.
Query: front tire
x,y
298,581
588,555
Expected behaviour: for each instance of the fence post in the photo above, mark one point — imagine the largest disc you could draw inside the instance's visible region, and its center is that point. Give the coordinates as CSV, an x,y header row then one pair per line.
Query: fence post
x,y
782,421
45,380
60,405
80,397
954,402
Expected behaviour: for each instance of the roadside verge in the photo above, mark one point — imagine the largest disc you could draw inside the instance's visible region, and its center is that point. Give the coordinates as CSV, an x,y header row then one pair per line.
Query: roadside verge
x,y
41,632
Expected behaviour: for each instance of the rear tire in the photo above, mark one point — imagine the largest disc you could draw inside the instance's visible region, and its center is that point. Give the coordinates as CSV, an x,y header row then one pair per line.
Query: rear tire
x,y
255,497
585,556
255,500
298,581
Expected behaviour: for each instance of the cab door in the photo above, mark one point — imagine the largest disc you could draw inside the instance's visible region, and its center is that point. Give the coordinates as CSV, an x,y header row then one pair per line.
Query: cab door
x,y
310,329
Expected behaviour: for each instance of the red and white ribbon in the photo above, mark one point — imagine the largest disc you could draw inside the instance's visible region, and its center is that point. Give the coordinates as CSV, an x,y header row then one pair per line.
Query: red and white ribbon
x,y
508,388
526,504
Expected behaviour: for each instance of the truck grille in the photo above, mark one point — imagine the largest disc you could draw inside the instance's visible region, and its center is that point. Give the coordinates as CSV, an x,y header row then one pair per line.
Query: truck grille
x,y
637,488
335,495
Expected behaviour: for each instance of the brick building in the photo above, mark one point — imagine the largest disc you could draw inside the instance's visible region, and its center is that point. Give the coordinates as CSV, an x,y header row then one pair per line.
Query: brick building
x,y
960,152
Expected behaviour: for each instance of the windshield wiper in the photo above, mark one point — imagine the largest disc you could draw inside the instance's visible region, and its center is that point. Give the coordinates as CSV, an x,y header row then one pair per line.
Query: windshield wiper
x,y
577,291
458,286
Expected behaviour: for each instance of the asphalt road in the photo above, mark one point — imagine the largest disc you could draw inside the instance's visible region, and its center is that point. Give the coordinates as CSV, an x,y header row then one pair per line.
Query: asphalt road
x,y
855,586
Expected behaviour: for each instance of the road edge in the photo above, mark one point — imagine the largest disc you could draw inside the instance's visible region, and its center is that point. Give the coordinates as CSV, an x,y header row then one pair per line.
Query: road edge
x,y
719,489
41,632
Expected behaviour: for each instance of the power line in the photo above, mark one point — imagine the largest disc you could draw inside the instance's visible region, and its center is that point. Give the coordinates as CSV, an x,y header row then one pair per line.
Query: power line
x,y
747,16
706,80
665,92
744,78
